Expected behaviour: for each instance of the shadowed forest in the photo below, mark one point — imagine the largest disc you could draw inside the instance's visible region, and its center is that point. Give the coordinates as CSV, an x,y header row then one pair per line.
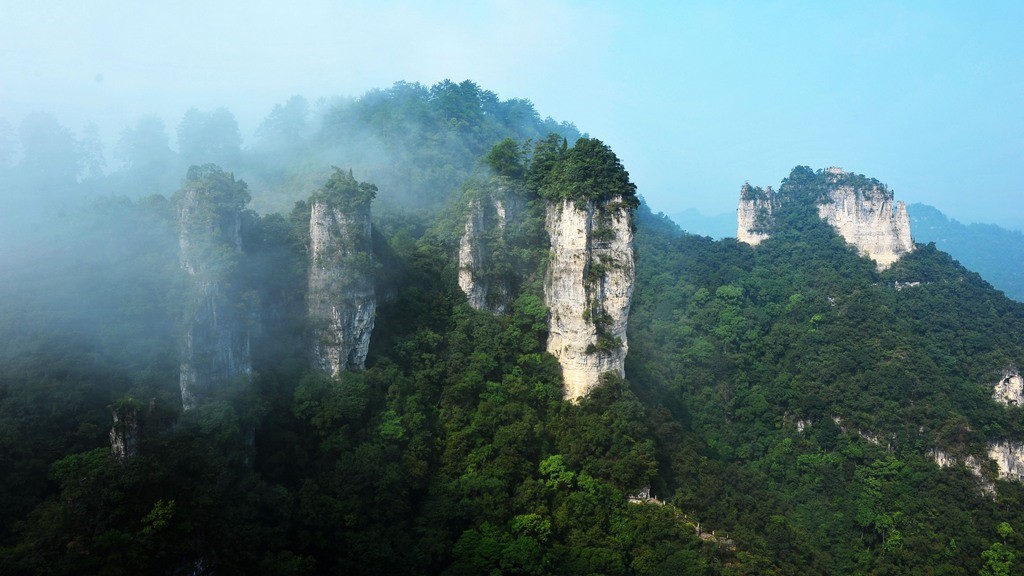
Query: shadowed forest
x,y
781,412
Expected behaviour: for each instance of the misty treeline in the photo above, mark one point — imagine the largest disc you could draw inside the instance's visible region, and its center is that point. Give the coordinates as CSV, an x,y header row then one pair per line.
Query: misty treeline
x,y
416,143
781,402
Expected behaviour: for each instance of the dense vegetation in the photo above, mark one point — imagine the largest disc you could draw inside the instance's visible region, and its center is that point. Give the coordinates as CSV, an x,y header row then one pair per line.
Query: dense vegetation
x,y
994,252
784,398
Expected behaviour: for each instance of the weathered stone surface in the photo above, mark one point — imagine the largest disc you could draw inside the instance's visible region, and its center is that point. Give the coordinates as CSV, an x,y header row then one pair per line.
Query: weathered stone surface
x,y
946,460
860,210
340,301
588,290
1009,457
1010,389
865,217
124,435
754,215
484,217
216,347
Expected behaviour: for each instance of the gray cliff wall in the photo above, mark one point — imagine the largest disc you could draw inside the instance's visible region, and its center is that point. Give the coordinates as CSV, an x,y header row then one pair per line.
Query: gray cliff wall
x,y
340,300
215,349
588,289
866,218
486,220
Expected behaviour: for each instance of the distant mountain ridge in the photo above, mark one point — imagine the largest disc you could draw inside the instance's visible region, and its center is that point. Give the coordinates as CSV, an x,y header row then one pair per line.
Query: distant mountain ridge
x,y
716,226
990,250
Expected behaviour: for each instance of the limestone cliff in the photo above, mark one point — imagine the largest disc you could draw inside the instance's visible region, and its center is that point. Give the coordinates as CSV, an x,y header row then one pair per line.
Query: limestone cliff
x,y
215,349
859,209
124,435
487,218
1010,389
863,214
340,300
944,459
588,289
1010,459
754,215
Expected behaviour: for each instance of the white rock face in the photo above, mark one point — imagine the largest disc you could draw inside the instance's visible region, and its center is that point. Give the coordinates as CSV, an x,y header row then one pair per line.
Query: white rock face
x,y
754,214
865,218
1010,458
216,341
588,290
471,259
1010,389
474,256
945,460
340,301
863,215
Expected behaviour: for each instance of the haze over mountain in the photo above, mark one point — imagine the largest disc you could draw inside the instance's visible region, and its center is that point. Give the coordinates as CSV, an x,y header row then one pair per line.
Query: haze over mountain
x,y
277,297
695,97
491,358
994,252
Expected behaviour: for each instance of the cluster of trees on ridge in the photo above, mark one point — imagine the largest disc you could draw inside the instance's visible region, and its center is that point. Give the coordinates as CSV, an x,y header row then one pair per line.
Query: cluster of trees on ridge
x,y
453,452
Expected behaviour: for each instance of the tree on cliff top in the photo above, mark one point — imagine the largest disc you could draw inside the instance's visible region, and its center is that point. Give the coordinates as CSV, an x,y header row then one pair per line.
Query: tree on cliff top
x,y
589,172
344,191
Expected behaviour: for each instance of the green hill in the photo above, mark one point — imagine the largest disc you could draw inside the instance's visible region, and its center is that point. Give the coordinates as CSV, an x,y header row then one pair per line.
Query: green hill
x,y
782,411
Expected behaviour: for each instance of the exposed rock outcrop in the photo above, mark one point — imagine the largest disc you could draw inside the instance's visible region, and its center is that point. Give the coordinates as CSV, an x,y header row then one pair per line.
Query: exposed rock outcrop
x,y
863,214
487,218
340,300
124,435
1010,389
861,210
754,216
588,289
1010,459
216,347
946,460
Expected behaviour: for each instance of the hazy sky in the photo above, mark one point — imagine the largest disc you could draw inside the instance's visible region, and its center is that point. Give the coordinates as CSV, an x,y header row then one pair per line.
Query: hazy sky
x,y
695,97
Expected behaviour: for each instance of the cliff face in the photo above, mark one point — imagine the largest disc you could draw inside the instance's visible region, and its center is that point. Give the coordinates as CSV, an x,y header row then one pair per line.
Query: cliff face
x,y
1010,389
859,209
215,348
340,301
124,435
1010,459
865,217
486,220
754,214
588,290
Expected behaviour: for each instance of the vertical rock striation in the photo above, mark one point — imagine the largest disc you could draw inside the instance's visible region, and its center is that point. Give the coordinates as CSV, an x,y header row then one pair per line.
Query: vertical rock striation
x,y
864,215
754,215
216,347
588,289
341,302
859,209
487,218
1010,459
124,435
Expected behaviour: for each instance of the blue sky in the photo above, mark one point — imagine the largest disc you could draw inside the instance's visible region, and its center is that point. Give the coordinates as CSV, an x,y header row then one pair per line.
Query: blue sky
x,y
695,97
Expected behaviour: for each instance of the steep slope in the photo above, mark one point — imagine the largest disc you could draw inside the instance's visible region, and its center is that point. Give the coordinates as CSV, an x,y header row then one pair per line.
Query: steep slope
x,y
216,349
860,209
340,296
995,253
813,394
588,290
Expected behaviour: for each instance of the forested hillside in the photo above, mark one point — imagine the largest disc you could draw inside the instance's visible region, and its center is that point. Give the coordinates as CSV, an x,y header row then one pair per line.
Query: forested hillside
x,y
994,252
781,410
